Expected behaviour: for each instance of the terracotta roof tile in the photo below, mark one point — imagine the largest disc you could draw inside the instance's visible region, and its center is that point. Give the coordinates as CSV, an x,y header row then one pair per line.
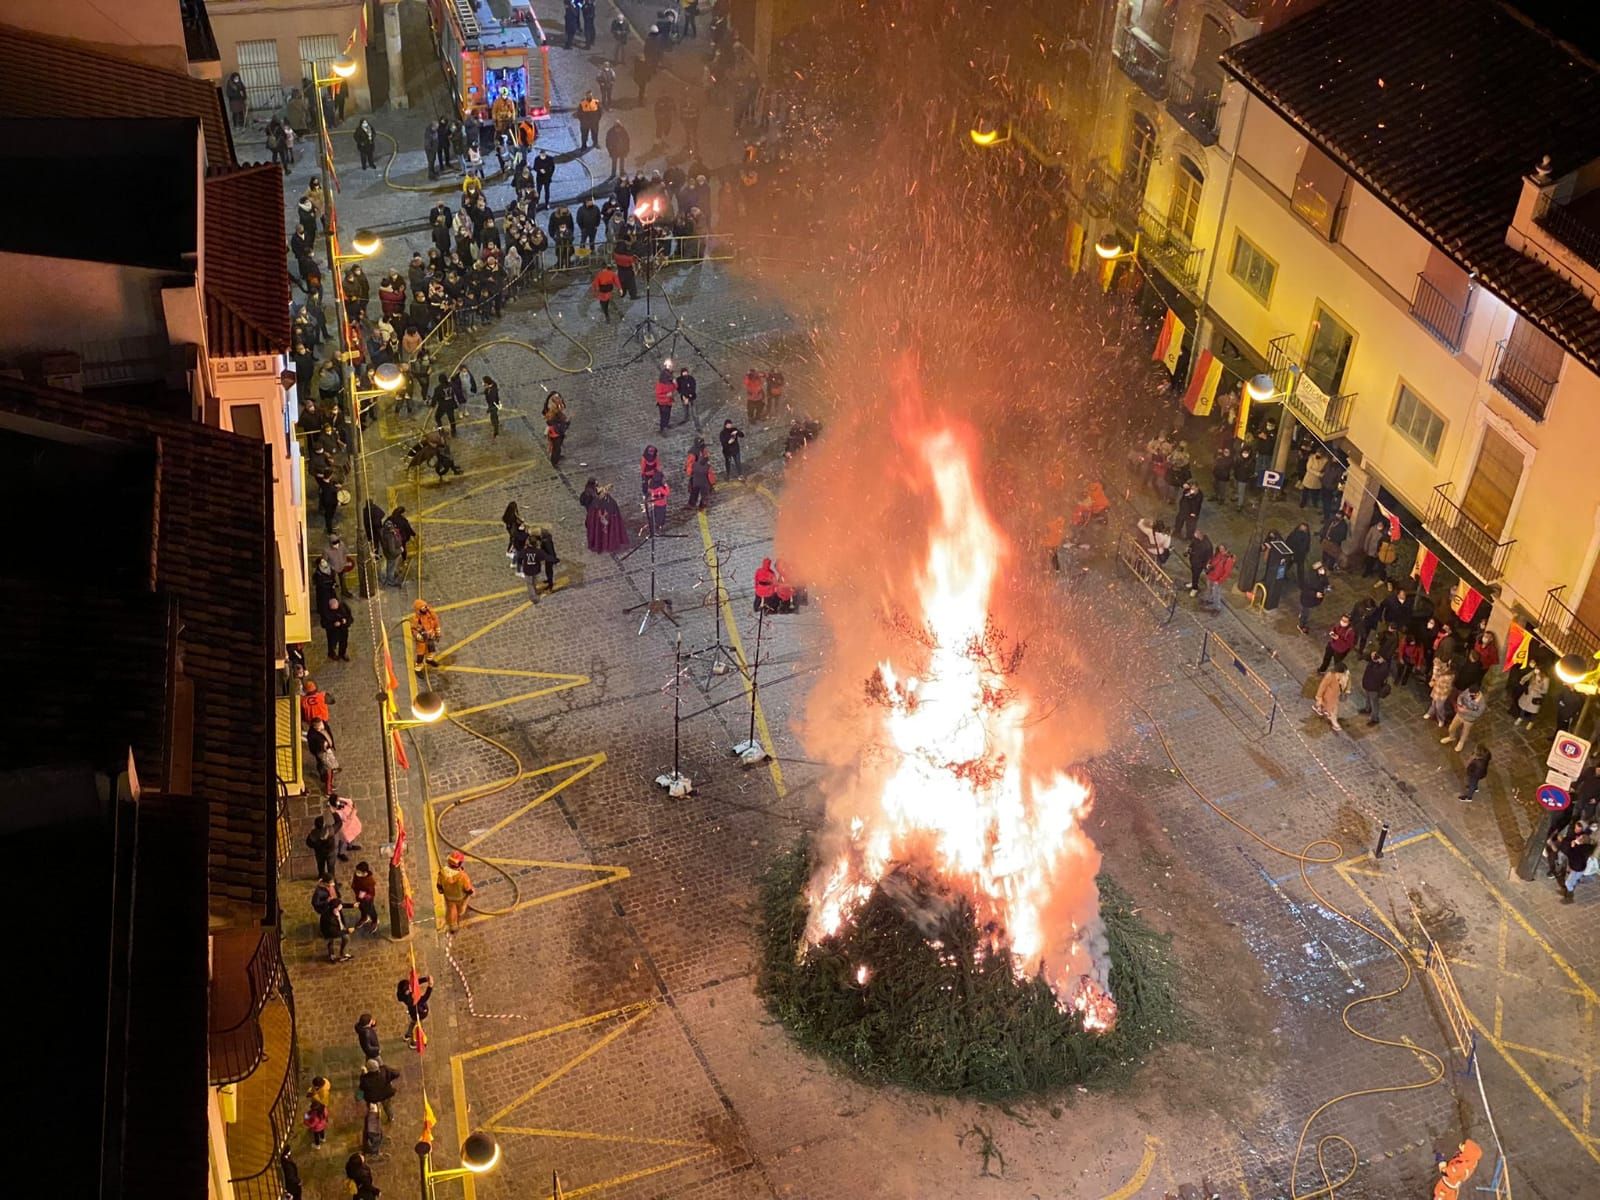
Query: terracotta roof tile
x,y
246,268
1440,107
43,76
213,556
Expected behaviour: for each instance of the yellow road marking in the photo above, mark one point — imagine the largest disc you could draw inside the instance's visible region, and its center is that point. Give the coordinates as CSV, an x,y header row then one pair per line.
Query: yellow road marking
x,y
614,875
1141,1174
754,487
458,1090
585,1136
487,628
502,474
633,1176
589,764
487,596
1487,1034
1401,845
744,676
572,1063
1583,1064
574,681
621,1010
478,541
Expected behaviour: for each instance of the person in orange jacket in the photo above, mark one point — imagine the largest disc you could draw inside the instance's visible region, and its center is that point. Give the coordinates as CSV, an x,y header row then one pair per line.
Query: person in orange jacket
x,y
666,397
313,704
766,585
453,884
424,634
1092,506
1457,1171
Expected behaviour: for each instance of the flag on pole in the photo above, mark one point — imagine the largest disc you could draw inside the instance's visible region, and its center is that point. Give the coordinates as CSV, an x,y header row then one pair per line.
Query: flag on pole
x,y
1242,426
1427,562
428,1119
400,751
1202,393
1394,522
1169,342
1517,640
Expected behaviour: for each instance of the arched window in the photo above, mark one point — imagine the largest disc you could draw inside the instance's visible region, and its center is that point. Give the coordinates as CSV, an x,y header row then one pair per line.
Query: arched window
x,y
1187,184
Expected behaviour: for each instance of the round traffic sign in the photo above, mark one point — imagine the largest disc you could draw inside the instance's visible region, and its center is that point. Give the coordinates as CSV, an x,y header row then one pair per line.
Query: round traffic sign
x,y
1554,798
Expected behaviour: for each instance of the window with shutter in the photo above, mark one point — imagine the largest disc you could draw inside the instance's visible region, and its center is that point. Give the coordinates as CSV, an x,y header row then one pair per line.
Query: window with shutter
x,y
1494,483
1529,366
1319,191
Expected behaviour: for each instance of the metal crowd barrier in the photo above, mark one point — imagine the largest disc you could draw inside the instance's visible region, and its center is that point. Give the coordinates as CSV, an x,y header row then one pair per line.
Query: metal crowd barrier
x,y
1132,555
1241,675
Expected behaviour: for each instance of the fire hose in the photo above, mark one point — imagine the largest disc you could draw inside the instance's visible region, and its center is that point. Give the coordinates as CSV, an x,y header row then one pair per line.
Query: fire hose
x,y
1323,852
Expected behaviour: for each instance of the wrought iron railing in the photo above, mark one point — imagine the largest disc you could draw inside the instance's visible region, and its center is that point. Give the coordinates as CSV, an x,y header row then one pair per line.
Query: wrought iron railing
x,y
1169,250
266,1183
1326,416
1563,629
1517,379
1478,549
1194,103
1127,199
1436,313
1572,232
235,1051
1143,61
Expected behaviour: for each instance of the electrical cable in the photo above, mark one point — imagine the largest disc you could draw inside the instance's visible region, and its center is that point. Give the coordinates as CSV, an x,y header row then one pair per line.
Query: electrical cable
x,y
1314,854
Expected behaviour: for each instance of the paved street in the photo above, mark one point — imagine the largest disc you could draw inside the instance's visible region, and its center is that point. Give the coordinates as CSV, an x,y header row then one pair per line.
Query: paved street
x,y
597,1013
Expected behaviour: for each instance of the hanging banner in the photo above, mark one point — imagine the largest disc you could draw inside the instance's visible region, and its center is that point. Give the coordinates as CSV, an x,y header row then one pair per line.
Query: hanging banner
x,y
1427,563
1394,521
1242,426
1202,393
1517,641
1465,600
1169,343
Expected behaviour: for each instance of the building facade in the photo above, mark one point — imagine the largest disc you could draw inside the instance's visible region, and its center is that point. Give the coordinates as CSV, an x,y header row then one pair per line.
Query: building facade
x,y
1421,289
275,44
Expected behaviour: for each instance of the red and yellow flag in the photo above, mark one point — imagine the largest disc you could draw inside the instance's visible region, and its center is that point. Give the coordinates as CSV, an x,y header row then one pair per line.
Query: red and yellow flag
x,y
1242,425
1517,641
1169,342
428,1119
1202,393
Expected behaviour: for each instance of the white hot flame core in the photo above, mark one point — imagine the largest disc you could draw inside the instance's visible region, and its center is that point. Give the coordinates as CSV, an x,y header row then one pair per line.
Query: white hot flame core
x,y
956,800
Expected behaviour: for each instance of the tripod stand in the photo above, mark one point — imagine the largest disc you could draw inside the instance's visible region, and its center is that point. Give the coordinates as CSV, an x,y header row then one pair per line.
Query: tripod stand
x,y
678,784
646,332
655,606
717,657
750,751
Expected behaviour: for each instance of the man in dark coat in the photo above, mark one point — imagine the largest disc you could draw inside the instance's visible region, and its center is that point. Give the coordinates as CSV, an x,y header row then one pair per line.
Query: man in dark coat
x,y
1299,541
544,171
1311,593
336,620
377,1086
1189,502
618,146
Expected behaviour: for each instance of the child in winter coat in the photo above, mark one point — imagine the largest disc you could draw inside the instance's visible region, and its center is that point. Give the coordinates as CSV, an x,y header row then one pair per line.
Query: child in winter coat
x,y
1335,684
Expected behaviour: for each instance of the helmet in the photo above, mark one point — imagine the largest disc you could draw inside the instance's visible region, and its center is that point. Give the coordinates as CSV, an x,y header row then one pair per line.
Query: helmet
x,y
456,858
419,606
310,685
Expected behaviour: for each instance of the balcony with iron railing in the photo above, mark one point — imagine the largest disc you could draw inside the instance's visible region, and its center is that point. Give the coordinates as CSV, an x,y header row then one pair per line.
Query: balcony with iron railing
x,y
1437,313
1572,231
1194,103
267,1100
1326,416
1169,251
244,976
1143,60
1563,630
1480,551
1521,382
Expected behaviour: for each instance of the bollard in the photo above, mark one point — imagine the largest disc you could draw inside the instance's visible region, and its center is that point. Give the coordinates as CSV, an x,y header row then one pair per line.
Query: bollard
x,y
1383,836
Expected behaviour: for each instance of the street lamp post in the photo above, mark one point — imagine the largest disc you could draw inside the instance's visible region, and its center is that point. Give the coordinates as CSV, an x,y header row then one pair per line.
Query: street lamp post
x,y
480,1153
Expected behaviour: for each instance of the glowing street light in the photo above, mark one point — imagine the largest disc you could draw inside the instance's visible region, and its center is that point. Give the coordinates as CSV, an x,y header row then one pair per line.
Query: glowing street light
x,y
1109,247
480,1153
366,243
427,708
1261,387
985,134
389,377
344,68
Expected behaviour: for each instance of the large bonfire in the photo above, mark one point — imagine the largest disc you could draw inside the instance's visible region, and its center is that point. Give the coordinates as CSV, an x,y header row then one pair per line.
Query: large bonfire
x,y
947,807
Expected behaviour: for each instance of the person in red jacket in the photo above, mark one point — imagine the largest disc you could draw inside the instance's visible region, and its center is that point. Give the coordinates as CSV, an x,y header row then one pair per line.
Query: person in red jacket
x,y
1218,571
606,285
666,397
755,395
659,494
1341,640
766,583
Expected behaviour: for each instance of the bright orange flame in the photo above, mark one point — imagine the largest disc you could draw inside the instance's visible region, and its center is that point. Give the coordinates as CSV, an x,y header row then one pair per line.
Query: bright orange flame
x,y
954,800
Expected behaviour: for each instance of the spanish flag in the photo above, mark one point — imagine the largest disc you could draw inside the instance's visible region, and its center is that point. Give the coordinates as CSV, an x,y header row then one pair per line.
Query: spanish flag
x,y
428,1120
1169,342
1427,564
1202,393
1517,640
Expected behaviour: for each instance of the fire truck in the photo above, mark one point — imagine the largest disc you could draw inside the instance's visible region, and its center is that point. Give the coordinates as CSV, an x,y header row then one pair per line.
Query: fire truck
x,y
484,56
